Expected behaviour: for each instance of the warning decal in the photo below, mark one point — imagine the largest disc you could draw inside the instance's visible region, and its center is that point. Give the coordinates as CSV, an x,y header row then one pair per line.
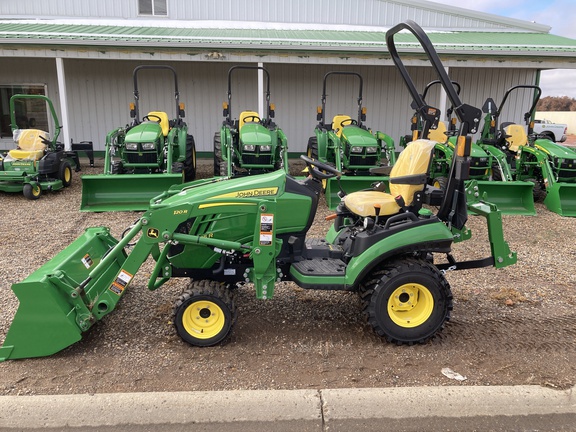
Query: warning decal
x,y
266,229
87,261
122,280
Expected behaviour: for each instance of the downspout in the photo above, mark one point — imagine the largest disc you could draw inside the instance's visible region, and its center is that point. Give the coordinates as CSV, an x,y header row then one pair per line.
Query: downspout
x,y
261,112
63,103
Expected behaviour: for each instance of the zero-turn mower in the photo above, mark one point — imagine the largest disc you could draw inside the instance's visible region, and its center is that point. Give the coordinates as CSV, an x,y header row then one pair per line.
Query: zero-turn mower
x,y
252,230
250,144
350,147
38,163
143,159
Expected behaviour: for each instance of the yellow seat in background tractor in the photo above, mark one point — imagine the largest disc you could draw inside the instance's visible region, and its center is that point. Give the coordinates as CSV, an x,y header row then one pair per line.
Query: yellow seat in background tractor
x,y
337,123
413,161
438,134
248,117
515,137
164,121
29,143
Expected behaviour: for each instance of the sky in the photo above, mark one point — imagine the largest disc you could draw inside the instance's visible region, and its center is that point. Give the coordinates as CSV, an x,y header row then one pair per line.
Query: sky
x,y
560,82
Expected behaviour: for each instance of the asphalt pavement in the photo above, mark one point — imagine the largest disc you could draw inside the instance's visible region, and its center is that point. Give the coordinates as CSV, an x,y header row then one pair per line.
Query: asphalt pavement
x,y
441,408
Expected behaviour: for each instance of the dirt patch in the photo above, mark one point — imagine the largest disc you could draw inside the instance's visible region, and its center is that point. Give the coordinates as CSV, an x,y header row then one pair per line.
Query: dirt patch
x,y
511,326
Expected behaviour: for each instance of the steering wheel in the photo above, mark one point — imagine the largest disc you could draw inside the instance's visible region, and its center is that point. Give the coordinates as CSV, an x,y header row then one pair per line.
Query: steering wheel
x,y
315,167
349,121
147,118
253,118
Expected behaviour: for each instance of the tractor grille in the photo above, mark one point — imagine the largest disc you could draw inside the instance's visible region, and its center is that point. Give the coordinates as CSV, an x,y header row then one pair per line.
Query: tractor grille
x,y
478,167
249,159
145,158
566,169
360,160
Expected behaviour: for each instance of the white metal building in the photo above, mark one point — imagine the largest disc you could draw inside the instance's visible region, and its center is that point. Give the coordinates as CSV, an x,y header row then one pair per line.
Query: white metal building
x,y
81,54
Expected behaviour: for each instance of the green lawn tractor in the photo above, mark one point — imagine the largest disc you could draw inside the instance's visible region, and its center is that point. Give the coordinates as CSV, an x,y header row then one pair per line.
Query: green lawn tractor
x,y
223,233
349,146
545,167
38,163
143,159
511,197
250,144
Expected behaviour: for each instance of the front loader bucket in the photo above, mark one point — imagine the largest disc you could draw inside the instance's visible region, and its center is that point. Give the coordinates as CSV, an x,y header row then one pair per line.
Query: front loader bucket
x,y
511,197
124,192
349,184
53,313
561,199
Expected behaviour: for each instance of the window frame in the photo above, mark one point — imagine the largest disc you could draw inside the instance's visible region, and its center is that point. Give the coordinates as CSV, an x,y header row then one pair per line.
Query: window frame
x,y
153,13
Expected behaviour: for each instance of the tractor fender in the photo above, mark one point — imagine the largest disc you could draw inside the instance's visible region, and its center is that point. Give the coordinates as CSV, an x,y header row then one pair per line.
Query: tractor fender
x,y
426,238
50,163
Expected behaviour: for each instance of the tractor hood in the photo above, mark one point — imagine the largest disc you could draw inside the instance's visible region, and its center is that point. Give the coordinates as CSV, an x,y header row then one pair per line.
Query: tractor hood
x,y
255,133
144,132
357,136
555,150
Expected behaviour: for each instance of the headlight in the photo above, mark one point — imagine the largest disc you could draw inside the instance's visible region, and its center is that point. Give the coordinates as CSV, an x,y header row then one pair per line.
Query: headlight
x,y
132,146
249,147
372,149
148,146
265,148
356,149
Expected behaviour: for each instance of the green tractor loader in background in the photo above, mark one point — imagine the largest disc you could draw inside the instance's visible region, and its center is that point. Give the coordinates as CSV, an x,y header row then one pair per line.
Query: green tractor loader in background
x,y
143,159
223,233
510,196
546,167
38,163
350,147
251,144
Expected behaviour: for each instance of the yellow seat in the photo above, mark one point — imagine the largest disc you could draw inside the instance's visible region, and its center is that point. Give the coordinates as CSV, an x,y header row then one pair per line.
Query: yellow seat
x,y
438,134
515,137
164,122
337,123
414,160
248,117
29,144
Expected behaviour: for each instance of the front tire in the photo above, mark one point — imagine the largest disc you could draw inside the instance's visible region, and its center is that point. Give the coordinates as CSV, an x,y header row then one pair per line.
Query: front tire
x,y
32,192
205,314
407,301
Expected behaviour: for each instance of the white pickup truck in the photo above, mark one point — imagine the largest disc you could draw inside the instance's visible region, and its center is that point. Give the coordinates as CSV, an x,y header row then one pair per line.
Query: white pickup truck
x,y
553,131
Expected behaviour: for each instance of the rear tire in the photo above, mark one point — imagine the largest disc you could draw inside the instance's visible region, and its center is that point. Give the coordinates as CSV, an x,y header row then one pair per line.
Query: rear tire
x,y
220,165
407,301
65,173
32,192
440,183
190,162
205,314
496,173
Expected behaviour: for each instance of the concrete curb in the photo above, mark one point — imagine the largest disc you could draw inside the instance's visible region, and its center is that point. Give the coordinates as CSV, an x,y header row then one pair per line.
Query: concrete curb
x,y
311,410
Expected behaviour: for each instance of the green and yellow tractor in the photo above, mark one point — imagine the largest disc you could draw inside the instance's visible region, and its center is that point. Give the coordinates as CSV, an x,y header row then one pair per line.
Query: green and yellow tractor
x,y
142,159
349,146
38,163
510,196
250,144
523,157
252,230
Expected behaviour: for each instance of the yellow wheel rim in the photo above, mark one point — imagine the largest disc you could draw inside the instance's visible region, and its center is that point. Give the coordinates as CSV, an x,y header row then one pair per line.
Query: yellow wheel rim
x,y
410,305
203,319
436,184
67,175
36,191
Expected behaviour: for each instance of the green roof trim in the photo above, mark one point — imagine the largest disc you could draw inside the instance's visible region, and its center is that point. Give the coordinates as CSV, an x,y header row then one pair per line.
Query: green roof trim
x,y
462,42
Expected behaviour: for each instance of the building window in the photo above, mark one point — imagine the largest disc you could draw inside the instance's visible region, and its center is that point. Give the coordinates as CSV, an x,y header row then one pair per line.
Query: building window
x,y
29,113
152,7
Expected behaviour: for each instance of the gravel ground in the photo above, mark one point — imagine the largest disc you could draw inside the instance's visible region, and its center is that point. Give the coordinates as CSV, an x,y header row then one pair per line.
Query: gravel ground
x,y
510,326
